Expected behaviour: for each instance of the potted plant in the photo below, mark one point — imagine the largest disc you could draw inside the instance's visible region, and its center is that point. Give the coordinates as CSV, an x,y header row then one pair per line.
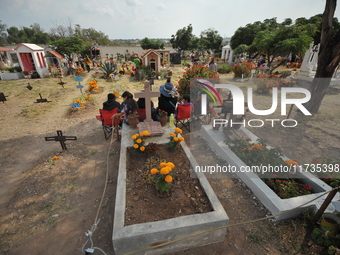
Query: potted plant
x,y
133,120
163,117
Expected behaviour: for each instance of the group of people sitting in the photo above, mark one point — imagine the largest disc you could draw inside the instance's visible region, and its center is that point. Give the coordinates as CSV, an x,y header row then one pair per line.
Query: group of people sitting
x,y
166,102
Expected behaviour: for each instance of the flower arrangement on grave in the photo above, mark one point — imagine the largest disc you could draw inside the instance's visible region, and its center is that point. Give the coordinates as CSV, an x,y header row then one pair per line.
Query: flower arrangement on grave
x,y
162,113
162,176
195,72
259,154
139,141
174,139
79,71
93,87
242,68
79,102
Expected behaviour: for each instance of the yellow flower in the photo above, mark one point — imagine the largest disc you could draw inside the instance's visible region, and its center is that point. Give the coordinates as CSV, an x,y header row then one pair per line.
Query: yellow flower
x,y
154,171
164,170
56,157
175,139
139,140
163,164
135,146
145,133
181,138
172,134
168,178
142,148
133,137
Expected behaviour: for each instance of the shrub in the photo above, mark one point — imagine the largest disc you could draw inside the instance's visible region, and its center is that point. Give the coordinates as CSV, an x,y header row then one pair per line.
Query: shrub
x,y
224,68
243,68
109,68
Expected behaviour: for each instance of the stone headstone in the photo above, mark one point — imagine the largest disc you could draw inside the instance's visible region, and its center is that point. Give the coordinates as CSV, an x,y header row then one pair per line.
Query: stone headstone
x,y
310,61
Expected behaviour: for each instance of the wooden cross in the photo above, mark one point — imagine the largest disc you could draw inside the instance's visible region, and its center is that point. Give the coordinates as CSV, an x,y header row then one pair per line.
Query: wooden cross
x,y
60,138
3,97
42,100
61,83
29,86
147,94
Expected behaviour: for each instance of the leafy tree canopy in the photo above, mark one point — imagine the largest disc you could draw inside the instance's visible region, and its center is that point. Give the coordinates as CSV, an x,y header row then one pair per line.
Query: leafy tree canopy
x,y
147,43
183,39
211,40
68,46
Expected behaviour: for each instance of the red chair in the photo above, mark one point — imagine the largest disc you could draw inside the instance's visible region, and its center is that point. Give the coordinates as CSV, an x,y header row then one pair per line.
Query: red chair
x,y
141,114
109,124
183,116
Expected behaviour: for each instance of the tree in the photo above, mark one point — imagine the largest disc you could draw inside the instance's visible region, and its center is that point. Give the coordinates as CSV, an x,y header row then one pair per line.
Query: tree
x,y
3,34
183,39
211,40
146,43
328,58
68,46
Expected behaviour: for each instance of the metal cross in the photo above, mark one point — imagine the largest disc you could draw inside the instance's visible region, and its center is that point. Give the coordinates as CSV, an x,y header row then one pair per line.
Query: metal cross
x,y
60,138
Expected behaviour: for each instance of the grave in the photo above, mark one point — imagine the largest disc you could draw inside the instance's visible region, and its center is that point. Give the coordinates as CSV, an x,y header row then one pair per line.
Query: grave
x,y
153,127
60,138
268,197
145,235
42,100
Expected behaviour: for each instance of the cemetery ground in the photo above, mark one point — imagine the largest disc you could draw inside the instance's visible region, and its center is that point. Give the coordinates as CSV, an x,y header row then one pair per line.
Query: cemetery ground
x,y
49,198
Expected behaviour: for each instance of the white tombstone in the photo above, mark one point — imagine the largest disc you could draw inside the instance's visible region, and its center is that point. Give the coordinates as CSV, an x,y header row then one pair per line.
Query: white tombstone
x,y
310,61
227,54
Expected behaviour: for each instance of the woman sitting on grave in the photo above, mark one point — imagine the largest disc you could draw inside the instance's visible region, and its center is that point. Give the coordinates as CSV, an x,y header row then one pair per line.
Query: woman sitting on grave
x,y
168,99
128,107
111,103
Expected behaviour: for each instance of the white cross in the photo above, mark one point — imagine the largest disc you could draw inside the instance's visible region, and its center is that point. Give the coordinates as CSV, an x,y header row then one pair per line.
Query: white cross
x,y
147,94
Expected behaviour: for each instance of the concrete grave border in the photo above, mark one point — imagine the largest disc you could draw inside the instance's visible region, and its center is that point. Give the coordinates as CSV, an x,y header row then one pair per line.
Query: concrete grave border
x,y
140,236
268,197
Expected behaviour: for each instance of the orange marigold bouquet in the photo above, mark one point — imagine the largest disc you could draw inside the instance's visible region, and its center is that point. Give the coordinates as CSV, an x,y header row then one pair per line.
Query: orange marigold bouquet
x,y
163,176
139,141
174,139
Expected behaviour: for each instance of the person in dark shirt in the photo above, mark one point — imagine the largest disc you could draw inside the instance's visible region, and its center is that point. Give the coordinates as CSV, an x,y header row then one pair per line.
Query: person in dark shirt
x,y
141,105
168,99
111,103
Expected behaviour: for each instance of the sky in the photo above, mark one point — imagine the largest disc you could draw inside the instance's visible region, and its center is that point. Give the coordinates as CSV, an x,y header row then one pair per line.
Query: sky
x,y
137,19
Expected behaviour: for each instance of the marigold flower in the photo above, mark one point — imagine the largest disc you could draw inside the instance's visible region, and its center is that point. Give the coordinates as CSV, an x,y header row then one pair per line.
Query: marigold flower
x,y
178,130
133,137
135,146
139,140
154,171
171,165
142,148
56,157
145,133
168,178
163,164
181,138
172,134
164,170
175,139
291,162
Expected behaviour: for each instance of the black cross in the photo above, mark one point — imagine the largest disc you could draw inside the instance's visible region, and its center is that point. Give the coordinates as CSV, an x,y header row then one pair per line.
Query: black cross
x,y
42,100
60,138
29,86
2,97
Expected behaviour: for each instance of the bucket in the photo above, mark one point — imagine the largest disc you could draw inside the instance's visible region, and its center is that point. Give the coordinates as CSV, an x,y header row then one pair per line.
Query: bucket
x,y
329,209
330,223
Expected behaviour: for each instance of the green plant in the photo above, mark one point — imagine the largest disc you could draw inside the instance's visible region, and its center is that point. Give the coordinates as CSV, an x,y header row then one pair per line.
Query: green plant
x,y
162,113
14,69
327,241
224,68
242,68
139,141
162,176
195,72
109,68
174,140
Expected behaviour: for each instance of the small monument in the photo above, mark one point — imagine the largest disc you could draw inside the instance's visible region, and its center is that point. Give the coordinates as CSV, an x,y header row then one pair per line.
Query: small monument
x,y
310,61
153,127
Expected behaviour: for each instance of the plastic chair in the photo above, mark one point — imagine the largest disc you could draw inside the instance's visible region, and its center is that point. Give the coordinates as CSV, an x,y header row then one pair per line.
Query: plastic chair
x,y
141,114
184,116
109,124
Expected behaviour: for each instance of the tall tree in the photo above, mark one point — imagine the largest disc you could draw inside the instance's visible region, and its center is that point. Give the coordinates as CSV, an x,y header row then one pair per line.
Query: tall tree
x,y
328,58
3,34
183,39
211,40
68,46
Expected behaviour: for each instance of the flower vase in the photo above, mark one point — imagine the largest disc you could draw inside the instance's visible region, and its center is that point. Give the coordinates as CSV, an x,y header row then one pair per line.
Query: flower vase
x,y
133,122
163,120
